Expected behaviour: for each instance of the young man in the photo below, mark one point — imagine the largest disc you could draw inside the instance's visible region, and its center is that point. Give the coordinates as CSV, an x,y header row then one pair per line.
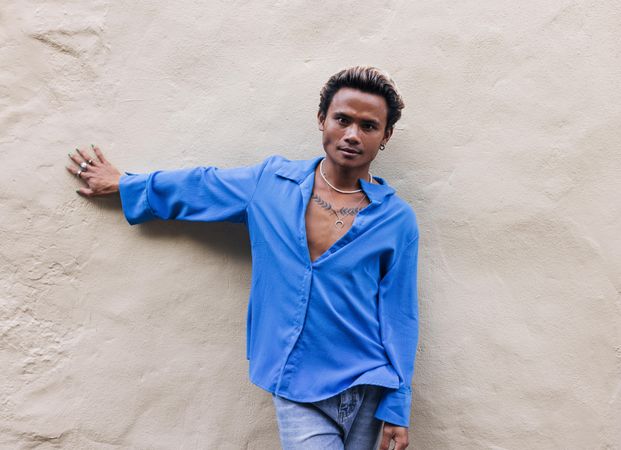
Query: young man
x,y
332,322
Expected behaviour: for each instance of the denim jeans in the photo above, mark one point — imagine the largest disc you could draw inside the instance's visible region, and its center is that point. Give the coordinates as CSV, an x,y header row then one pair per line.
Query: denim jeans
x,y
342,422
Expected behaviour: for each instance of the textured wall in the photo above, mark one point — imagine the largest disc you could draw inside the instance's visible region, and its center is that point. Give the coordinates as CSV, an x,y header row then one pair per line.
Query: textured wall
x,y
114,336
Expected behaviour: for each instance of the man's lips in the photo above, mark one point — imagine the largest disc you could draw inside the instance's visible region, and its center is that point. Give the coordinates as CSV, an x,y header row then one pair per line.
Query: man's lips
x,y
349,150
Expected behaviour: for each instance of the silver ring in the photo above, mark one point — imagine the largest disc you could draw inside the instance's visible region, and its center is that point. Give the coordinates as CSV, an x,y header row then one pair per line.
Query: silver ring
x,y
79,172
90,161
84,166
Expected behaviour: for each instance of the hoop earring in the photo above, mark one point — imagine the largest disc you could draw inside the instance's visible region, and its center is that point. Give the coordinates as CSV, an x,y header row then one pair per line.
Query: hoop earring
x,y
382,146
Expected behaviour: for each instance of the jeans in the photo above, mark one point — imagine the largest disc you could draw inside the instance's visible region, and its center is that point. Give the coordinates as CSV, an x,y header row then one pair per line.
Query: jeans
x,y
342,422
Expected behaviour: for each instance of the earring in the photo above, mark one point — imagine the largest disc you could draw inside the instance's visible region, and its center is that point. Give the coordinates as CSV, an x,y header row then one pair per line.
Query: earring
x,y
382,146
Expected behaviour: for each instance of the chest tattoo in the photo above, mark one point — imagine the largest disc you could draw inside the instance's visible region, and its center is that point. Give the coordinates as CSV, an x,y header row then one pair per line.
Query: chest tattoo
x,y
343,211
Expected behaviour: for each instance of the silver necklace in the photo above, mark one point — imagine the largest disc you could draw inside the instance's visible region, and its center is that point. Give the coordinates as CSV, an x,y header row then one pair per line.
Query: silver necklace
x,y
336,189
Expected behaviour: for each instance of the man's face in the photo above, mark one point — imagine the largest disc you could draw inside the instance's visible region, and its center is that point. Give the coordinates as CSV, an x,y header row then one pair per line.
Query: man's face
x,y
353,128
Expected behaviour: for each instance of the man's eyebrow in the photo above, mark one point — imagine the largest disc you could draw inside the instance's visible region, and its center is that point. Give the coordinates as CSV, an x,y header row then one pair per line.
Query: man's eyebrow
x,y
372,121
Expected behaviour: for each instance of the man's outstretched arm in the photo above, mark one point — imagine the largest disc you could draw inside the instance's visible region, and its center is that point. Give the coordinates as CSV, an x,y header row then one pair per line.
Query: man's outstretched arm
x,y
197,194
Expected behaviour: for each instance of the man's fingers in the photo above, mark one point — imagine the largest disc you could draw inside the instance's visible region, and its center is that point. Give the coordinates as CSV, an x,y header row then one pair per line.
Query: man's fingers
x,y
385,444
100,155
99,175
79,161
400,445
74,171
75,158
86,157
85,192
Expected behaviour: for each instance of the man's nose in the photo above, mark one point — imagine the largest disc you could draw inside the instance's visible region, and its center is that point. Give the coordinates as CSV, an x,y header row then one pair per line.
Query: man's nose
x,y
351,134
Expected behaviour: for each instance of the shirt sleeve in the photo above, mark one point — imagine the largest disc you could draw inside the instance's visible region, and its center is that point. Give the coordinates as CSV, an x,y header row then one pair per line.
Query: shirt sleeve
x,y
398,315
205,194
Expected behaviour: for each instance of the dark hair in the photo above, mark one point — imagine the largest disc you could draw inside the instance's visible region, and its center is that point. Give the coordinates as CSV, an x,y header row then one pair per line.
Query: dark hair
x,y
367,79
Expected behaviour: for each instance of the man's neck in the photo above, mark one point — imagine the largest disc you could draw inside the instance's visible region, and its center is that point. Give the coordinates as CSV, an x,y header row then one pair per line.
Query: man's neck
x,y
343,177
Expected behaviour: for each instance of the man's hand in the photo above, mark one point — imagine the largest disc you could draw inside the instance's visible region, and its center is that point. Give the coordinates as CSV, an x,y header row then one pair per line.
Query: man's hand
x,y
101,177
396,433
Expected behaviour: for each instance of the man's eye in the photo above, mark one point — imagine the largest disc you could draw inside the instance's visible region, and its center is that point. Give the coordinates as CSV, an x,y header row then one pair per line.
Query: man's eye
x,y
341,120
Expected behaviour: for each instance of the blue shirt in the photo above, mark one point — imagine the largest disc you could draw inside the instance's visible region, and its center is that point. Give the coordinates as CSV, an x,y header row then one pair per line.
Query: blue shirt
x,y
314,328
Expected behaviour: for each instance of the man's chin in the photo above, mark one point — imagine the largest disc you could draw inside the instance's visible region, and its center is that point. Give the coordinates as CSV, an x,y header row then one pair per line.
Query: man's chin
x,y
347,162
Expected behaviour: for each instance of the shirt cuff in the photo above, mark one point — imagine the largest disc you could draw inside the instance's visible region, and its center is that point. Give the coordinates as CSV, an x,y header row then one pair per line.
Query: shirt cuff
x,y
394,406
133,191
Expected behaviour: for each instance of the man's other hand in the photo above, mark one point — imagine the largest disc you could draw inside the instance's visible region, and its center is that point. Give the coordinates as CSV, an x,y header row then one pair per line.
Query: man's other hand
x,y
395,433
101,177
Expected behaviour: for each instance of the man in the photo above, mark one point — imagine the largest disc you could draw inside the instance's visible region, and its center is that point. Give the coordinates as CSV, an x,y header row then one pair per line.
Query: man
x,y
332,324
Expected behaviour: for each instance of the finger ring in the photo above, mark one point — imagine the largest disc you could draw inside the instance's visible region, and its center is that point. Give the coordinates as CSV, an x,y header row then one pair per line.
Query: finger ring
x,y
84,166
90,161
78,173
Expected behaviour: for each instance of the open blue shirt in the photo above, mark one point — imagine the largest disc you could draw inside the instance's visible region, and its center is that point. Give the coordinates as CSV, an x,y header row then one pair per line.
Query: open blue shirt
x,y
313,328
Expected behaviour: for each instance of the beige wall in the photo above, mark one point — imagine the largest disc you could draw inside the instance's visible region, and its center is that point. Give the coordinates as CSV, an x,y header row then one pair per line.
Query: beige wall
x,y
114,336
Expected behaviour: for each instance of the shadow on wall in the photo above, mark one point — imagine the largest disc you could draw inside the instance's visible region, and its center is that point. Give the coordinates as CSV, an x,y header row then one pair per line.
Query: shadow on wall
x,y
227,238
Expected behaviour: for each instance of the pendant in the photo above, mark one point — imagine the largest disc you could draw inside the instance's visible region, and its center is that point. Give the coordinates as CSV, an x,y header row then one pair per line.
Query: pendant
x,y
339,224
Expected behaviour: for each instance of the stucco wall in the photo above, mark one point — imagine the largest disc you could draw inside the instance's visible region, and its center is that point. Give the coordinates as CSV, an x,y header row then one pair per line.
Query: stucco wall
x,y
114,336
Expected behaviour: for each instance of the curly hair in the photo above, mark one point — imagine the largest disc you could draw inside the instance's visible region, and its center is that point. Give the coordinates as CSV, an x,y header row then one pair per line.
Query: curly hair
x,y
367,79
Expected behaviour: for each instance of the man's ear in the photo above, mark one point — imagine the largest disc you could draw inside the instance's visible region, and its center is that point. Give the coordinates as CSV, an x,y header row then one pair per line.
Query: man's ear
x,y
388,134
320,120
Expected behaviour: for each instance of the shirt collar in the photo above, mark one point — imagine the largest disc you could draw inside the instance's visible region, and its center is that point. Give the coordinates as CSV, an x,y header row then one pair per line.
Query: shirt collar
x,y
298,170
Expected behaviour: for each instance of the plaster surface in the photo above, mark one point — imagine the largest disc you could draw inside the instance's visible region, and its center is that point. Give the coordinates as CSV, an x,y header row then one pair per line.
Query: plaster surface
x,y
119,337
